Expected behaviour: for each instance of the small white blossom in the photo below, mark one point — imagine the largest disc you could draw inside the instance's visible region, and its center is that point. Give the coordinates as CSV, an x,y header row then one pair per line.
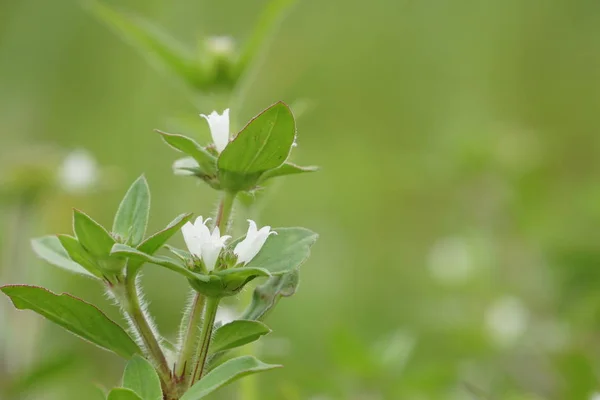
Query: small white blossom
x,y
595,396
78,171
225,315
201,243
219,128
221,45
506,320
248,248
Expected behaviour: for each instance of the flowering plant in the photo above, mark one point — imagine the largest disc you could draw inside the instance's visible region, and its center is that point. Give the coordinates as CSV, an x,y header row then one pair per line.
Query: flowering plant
x,y
214,266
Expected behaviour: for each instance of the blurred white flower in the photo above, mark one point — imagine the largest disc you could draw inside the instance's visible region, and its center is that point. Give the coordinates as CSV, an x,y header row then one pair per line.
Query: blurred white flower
x,y
184,165
506,320
78,172
450,260
201,243
220,45
248,248
225,315
595,396
219,128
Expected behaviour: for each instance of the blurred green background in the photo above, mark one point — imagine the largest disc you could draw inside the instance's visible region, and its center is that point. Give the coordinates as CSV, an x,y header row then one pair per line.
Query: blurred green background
x,y
458,202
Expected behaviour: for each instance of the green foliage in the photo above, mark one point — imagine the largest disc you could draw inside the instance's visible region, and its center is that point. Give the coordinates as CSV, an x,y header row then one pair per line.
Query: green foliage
x,y
123,394
266,296
152,43
51,250
91,235
264,144
75,315
236,334
132,216
142,379
226,373
205,160
284,252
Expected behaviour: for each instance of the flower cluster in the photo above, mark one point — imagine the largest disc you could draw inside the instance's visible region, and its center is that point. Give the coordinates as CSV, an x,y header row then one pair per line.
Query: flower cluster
x,y
207,246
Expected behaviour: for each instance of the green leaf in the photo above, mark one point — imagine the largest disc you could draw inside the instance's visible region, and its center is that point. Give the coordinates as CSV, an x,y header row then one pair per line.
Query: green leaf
x,y
153,44
266,296
226,373
236,334
78,254
156,241
166,262
283,252
50,249
123,394
75,315
286,169
263,144
141,378
234,279
92,236
189,146
131,219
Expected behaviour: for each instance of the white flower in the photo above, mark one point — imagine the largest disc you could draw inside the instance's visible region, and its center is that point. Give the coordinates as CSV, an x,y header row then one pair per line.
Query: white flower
x,y
221,45
219,128
506,320
225,315
201,243
595,396
248,248
78,171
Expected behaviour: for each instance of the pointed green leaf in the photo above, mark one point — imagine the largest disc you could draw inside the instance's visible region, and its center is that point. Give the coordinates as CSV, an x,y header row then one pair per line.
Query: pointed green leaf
x,y
131,219
78,254
181,254
286,169
189,146
226,373
166,262
266,296
123,394
50,249
156,241
141,378
75,315
236,334
283,252
234,279
92,236
159,48
263,144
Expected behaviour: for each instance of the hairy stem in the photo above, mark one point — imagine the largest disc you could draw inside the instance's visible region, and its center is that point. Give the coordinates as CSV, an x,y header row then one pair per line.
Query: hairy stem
x,y
187,355
210,312
132,306
190,339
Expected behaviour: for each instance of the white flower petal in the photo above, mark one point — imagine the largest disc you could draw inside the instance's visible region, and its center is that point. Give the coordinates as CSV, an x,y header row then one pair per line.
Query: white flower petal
x,y
248,248
191,238
219,128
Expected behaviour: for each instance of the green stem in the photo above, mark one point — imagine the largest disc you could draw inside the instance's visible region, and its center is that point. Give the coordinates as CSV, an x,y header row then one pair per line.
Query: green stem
x,y
190,339
133,308
210,312
224,212
187,355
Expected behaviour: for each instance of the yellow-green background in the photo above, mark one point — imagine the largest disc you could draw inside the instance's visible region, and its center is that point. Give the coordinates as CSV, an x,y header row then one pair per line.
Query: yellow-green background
x,y
432,119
